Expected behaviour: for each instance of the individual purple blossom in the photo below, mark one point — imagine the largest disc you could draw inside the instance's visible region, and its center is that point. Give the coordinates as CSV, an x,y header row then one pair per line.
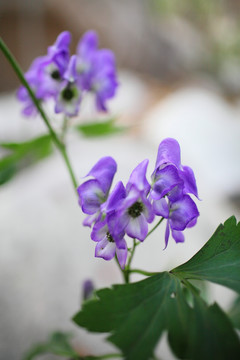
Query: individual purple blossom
x,y
169,172
107,246
93,193
180,214
68,99
88,289
45,73
135,210
95,69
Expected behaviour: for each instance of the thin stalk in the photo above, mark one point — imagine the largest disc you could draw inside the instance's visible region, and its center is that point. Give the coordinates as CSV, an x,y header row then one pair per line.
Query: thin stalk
x,y
142,272
13,62
154,228
108,356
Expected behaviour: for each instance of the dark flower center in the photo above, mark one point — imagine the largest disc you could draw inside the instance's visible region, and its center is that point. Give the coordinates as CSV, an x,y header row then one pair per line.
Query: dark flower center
x,y
67,94
109,237
136,209
56,75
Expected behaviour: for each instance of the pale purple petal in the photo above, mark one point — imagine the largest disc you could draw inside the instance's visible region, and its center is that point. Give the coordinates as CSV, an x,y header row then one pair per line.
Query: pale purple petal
x,y
178,236
105,249
147,209
104,171
182,212
176,193
99,231
161,208
117,195
168,152
188,177
88,44
90,196
192,223
165,180
138,178
122,257
167,233
137,227
90,219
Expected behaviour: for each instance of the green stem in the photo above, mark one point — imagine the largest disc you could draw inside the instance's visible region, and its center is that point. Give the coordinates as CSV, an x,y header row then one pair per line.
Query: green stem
x,y
13,62
142,272
108,356
154,228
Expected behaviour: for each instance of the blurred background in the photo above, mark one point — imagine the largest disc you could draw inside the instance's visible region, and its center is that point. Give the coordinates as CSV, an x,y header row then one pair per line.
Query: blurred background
x,y
179,74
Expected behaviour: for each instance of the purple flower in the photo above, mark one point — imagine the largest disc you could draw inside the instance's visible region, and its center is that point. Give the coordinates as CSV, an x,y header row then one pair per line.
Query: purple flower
x,y
134,211
93,193
46,73
88,289
180,214
95,69
107,246
169,172
68,99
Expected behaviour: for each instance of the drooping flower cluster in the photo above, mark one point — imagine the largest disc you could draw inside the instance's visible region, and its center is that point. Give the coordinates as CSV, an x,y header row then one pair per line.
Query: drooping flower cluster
x,y
128,210
67,79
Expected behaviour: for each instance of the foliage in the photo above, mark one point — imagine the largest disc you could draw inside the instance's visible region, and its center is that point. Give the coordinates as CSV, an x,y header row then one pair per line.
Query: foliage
x,y
22,155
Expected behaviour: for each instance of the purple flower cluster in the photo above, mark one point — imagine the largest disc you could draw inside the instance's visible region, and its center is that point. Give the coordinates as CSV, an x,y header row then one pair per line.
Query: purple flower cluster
x,y
66,79
128,210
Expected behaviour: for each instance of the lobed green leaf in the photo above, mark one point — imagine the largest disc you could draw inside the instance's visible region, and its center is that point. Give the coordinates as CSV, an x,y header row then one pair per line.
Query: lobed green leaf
x,y
136,315
218,260
22,155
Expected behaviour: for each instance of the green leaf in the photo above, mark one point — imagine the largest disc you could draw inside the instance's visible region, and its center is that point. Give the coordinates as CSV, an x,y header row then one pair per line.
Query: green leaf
x,y
234,313
58,344
103,128
21,155
136,315
218,260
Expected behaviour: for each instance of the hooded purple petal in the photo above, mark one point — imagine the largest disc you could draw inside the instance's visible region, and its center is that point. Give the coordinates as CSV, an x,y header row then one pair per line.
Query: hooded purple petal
x,y
138,178
168,153
104,171
116,196
88,44
91,196
165,180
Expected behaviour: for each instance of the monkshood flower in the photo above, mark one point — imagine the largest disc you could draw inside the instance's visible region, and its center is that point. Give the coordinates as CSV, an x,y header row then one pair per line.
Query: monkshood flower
x,y
169,172
94,69
93,193
135,210
180,214
46,73
68,99
107,246
88,289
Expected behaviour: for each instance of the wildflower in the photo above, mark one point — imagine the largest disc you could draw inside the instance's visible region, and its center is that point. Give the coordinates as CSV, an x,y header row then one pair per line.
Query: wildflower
x,y
135,210
107,246
180,214
95,69
45,73
94,192
169,172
